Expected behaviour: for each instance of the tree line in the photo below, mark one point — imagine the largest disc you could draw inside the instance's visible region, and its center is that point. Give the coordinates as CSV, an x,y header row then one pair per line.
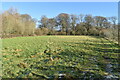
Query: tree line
x,y
15,24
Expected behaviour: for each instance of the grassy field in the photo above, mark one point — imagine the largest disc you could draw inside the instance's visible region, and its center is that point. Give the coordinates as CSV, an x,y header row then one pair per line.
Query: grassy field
x,y
55,57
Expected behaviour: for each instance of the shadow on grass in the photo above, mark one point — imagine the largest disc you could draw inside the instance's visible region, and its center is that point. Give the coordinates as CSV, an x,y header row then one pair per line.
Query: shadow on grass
x,y
62,71
77,72
83,74
107,50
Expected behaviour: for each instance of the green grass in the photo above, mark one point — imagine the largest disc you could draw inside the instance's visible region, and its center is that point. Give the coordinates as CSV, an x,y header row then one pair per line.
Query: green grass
x,y
48,56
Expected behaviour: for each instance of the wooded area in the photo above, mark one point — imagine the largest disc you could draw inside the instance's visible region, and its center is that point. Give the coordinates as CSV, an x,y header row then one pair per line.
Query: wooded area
x,y
80,47
15,24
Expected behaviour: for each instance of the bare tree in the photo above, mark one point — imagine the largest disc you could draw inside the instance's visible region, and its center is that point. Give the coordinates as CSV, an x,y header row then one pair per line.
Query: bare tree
x,y
81,17
64,21
74,19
